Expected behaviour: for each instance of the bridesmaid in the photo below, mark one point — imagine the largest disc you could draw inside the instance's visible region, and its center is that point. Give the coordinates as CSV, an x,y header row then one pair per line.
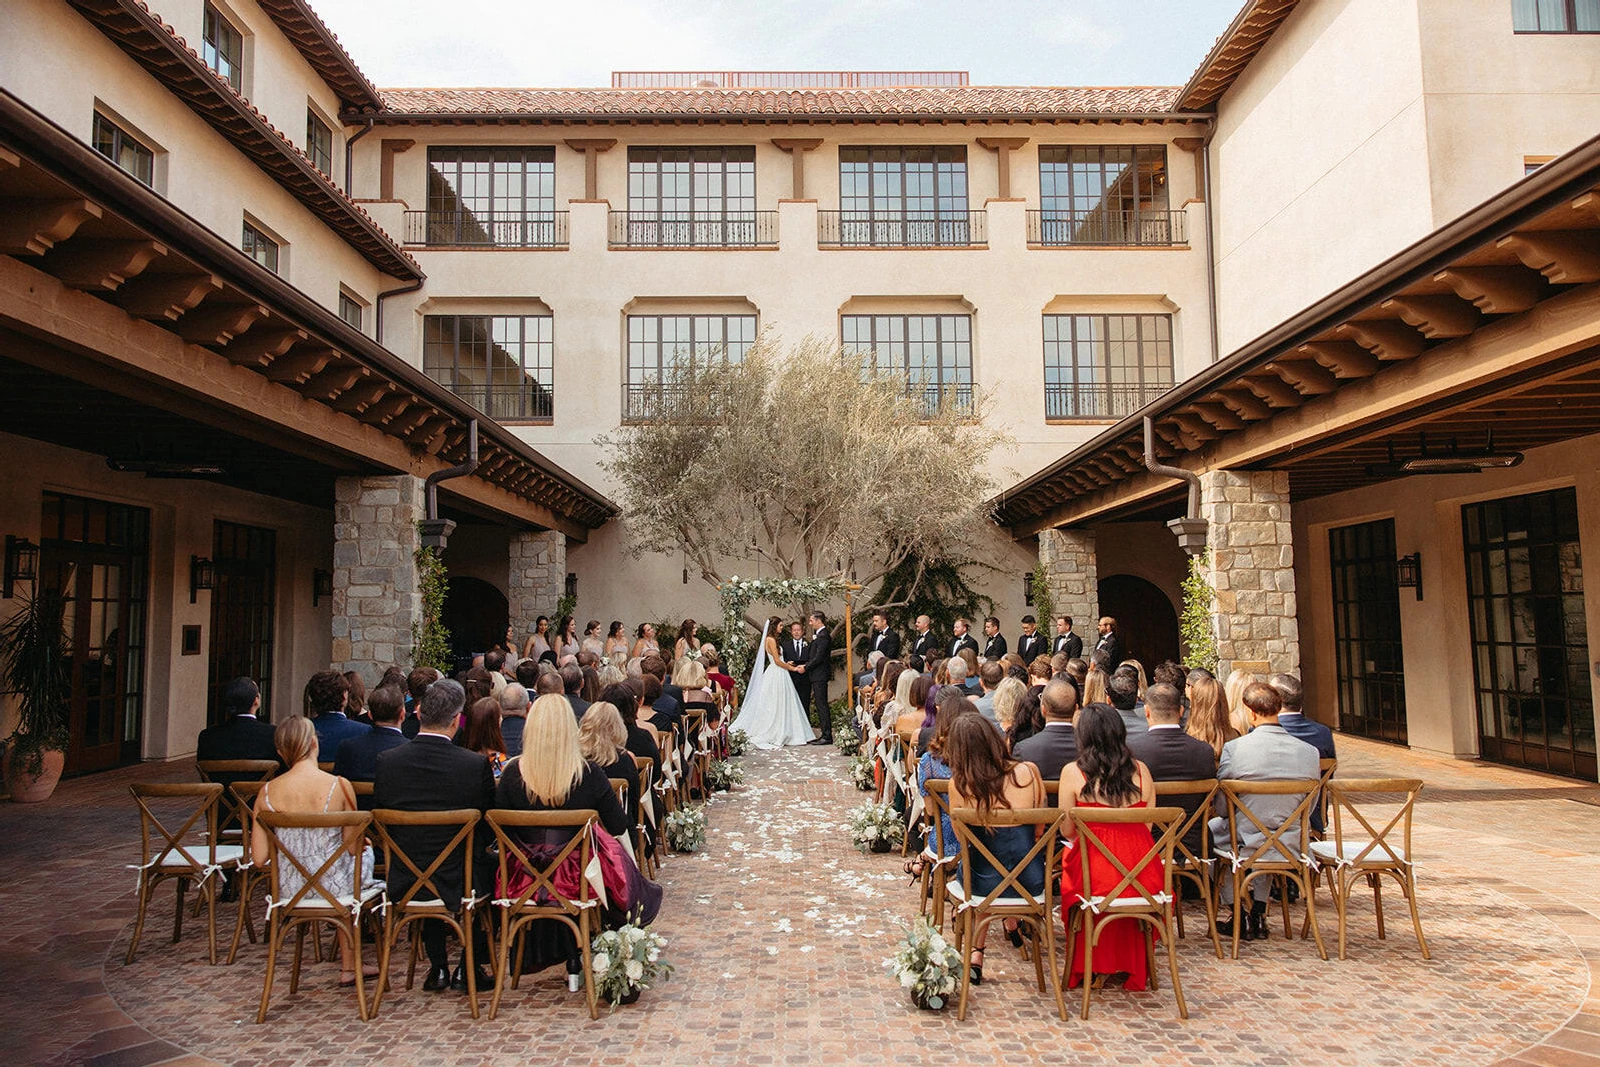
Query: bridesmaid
x,y
646,642
616,640
538,642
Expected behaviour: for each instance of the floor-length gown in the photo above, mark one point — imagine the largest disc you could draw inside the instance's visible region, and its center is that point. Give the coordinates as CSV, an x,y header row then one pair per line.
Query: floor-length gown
x,y
771,714
1120,948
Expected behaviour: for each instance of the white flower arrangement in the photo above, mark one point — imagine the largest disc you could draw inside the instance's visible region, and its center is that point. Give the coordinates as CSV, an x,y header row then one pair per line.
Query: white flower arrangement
x,y
861,771
739,593
926,965
876,826
845,738
627,960
738,742
723,774
686,829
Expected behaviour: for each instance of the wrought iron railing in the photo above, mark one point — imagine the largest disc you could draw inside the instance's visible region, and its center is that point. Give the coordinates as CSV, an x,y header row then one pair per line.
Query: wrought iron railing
x,y
860,229
744,229
655,402
1074,400
470,229
1136,229
526,402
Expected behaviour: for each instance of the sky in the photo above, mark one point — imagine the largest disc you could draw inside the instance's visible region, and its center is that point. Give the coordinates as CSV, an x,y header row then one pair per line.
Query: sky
x,y
572,44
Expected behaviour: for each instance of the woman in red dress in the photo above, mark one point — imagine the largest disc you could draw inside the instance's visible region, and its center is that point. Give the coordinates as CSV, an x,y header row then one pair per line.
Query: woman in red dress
x,y
1107,776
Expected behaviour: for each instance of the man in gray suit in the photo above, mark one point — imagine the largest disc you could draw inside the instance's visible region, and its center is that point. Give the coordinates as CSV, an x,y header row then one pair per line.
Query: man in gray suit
x,y
1266,754
990,675
1123,689
1052,748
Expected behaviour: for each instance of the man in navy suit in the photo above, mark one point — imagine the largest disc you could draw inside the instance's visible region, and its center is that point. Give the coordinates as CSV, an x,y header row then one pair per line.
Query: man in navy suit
x,y
1293,720
241,735
1052,748
326,696
1172,755
357,758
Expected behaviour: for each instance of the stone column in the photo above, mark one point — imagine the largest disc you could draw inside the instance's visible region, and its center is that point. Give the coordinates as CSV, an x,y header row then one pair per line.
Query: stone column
x,y
1071,572
537,579
1252,570
376,600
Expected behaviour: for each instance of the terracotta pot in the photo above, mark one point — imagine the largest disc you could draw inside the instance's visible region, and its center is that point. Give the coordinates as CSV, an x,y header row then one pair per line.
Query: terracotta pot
x,y
31,789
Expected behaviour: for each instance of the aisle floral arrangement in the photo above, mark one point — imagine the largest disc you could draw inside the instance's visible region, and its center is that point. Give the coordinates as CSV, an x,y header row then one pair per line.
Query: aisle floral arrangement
x,y
724,774
626,961
686,829
861,772
846,739
876,827
738,742
927,965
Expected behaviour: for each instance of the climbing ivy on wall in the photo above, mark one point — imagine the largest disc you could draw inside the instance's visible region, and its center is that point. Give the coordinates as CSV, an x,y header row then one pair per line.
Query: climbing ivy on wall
x,y
429,637
1196,628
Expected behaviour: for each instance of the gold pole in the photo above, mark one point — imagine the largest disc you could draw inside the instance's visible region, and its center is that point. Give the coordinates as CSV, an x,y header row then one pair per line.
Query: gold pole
x,y
849,649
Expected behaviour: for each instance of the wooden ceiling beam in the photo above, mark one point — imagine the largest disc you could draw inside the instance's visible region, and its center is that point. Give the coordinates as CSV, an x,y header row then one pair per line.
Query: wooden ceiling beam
x,y
1566,257
1437,315
258,348
1345,359
101,265
213,324
1389,339
1274,390
166,297
1307,377
1496,290
297,366
1217,415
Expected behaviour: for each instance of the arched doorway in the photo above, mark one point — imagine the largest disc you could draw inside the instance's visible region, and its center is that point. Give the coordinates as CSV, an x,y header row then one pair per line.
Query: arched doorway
x,y
1144,615
476,614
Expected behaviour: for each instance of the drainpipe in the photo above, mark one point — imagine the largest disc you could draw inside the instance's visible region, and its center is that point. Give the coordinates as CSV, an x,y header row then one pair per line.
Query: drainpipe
x,y
1191,528
377,328
349,153
436,531
1211,239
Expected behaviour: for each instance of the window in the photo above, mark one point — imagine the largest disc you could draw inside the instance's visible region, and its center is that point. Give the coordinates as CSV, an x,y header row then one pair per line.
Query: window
x,y
123,149
664,351
319,143
1104,195
933,353
222,48
903,195
1105,366
691,196
351,310
1555,16
503,365
1368,661
259,247
492,196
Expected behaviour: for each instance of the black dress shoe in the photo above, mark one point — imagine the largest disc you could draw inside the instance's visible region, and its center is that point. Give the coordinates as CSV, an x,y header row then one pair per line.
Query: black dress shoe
x,y
1258,922
438,980
1225,930
458,981
818,741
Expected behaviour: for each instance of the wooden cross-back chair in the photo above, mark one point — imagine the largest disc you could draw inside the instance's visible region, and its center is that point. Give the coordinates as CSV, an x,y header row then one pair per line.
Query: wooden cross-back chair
x,y
226,772
1274,857
540,898
1151,909
314,902
695,715
194,852
1009,899
645,836
666,786
935,864
1319,807
424,900
252,875
1366,851
1187,865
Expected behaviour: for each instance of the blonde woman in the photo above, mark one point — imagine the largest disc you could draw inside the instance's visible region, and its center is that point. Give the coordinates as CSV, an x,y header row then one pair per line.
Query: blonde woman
x,y
1138,670
1208,715
1233,694
305,790
1006,697
552,774
603,739
1094,688
690,676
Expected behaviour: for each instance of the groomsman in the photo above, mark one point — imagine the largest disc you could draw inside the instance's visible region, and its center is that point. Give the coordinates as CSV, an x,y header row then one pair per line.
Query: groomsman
x,y
1032,644
926,642
1067,641
962,639
994,645
882,639
793,650
1111,641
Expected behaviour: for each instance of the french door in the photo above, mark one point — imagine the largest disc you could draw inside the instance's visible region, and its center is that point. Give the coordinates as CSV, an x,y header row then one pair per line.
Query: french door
x,y
243,602
1366,631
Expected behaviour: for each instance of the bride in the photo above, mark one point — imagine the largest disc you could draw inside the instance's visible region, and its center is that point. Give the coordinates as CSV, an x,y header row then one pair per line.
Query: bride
x,y
771,713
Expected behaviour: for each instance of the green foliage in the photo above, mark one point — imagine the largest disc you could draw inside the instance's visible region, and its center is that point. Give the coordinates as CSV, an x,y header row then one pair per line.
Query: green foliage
x,y
1044,605
1196,628
34,665
938,589
567,605
738,594
430,638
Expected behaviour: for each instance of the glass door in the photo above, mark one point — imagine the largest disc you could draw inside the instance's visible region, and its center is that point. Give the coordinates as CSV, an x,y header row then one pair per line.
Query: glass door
x,y
1366,631
1530,654
244,559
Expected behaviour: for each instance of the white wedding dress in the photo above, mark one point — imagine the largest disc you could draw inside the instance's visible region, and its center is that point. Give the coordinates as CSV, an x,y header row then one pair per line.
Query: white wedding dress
x,y
771,713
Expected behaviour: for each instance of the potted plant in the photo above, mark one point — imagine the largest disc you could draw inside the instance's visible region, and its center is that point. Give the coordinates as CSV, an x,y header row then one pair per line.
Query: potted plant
x,y
876,827
724,774
861,772
34,665
738,742
686,829
926,965
626,961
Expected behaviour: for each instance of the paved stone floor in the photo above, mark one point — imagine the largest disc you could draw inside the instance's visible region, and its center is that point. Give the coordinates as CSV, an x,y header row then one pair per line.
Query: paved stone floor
x,y
779,930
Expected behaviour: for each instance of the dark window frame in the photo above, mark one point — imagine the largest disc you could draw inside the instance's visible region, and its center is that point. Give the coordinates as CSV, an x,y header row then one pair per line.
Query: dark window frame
x,y
649,360
352,311
244,559
893,354
111,140
1068,396
317,132
1367,630
222,46
521,397
1569,15
269,251
480,195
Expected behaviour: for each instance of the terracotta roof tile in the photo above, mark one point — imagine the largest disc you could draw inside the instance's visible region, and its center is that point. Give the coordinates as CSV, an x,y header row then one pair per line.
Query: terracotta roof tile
x,y
822,105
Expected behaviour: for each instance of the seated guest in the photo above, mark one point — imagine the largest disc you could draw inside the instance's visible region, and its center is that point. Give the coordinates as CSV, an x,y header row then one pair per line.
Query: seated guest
x,y
1077,669
306,790
1105,775
572,689
693,687
477,684
326,694
984,777
1029,719
657,710
494,661
357,758
590,689
990,675
1056,745
1266,754
1040,671
527,673
1208,714
970,679
1172,755
915,709
1123,689
948,696
513,717
641,741
656,665
1138,670
603,736
482,735
241,735
548,682
1093,689
1293,720
956,669
417,683
870,675
932,767
1233,693
1006,697
433,774
355,704
715,674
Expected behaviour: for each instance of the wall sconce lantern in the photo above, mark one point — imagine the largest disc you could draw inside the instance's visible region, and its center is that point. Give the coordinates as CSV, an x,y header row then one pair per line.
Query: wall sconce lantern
x,y
572,585
1408,573
321,585
202,575
22,563
1027,589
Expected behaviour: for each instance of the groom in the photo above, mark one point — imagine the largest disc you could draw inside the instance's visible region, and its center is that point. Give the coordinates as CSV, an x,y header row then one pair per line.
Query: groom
x,y
818,669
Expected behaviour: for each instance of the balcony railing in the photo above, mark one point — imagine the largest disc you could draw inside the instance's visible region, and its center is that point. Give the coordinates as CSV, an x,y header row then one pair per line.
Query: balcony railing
x,y
744,229
1069,400
858,229
527,402
655,402
470,229
1135,229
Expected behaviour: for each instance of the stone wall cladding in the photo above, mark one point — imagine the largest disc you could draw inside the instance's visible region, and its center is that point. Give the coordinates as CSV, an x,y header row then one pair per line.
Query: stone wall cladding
x,y
375,595
537,578
1072,573
1252,568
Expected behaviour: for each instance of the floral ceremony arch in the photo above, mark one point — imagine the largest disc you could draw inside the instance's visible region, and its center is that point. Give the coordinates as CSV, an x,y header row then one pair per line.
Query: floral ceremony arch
x,y
738,594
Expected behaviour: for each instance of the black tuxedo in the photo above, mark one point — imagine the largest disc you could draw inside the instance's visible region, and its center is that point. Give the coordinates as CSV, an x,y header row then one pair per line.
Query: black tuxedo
x,y
1031,646
1111,645
241,737
995,647
925,643
1050,750
819,668
887,642
958,643
1174,756
357,758
432,774
791,651
1070,643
